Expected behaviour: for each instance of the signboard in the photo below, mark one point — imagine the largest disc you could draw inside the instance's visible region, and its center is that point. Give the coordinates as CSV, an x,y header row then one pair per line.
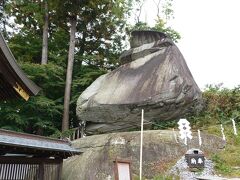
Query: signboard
x,y
122,170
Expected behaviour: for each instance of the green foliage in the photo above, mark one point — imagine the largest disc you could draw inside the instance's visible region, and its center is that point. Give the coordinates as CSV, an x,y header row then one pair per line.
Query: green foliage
x,y
82,79
220,165
27,12
63,135
49,77
100,28
159,26
3,18
164,124
58,47
162,27
227,159
221,105
164,14
26,46
41,114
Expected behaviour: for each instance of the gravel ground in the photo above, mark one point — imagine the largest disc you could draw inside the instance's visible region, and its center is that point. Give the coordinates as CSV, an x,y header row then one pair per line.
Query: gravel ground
x,y
181,169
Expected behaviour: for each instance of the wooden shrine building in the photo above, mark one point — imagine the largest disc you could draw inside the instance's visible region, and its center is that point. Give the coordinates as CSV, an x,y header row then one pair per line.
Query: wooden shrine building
x,y
25,156
31,157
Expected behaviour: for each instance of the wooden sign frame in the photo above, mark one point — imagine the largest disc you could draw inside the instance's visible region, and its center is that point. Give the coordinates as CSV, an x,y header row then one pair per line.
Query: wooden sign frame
x,y
116,169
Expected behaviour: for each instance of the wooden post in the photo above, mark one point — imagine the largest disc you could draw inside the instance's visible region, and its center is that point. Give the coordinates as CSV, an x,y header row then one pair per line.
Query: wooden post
x,y
82,131
73,135
78,133
141,144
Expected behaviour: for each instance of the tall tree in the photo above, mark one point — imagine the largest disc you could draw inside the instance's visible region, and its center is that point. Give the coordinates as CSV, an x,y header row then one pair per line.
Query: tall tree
x,y
65,121
101,27
96,23
67,12
45,34
32,19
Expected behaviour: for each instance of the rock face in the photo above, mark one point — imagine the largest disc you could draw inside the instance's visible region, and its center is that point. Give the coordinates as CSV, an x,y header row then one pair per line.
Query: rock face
x,y
160,152
153,76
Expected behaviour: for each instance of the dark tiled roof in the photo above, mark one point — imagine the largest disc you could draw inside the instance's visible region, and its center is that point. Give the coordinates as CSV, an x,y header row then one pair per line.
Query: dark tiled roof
x,y
33,143
12,77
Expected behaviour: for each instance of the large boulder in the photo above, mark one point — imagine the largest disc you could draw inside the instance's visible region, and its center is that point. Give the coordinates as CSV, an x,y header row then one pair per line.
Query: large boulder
x,y
161,149
153,76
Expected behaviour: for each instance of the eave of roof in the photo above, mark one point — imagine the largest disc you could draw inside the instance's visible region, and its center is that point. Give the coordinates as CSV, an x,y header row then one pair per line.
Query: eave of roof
x,y
34,142
19,80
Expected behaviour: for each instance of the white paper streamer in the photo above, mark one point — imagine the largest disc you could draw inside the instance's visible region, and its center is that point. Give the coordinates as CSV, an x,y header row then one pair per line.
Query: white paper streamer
x,y
199,138
234,127
185,140
223,135
185,130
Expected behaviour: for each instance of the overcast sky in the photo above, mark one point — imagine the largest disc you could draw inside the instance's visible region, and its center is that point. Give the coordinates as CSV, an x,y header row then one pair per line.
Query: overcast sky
x,y
210,31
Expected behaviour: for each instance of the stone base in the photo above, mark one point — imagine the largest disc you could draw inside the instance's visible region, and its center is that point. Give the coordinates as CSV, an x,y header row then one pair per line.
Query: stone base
x,y
161,150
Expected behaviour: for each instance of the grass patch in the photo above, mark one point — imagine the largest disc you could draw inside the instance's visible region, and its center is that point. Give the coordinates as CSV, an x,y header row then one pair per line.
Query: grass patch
x,y
227,161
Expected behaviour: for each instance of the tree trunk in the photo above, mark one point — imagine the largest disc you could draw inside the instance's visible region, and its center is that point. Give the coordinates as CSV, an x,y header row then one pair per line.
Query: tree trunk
x,y
65,121
4,19
45,35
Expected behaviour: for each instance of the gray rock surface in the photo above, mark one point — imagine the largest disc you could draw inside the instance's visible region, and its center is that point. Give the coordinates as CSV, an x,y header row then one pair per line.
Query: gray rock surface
x,y
154,77
160,152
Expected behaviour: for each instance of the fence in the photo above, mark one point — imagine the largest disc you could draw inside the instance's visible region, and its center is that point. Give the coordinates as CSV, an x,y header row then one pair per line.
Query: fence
x,y
76,133
23,168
